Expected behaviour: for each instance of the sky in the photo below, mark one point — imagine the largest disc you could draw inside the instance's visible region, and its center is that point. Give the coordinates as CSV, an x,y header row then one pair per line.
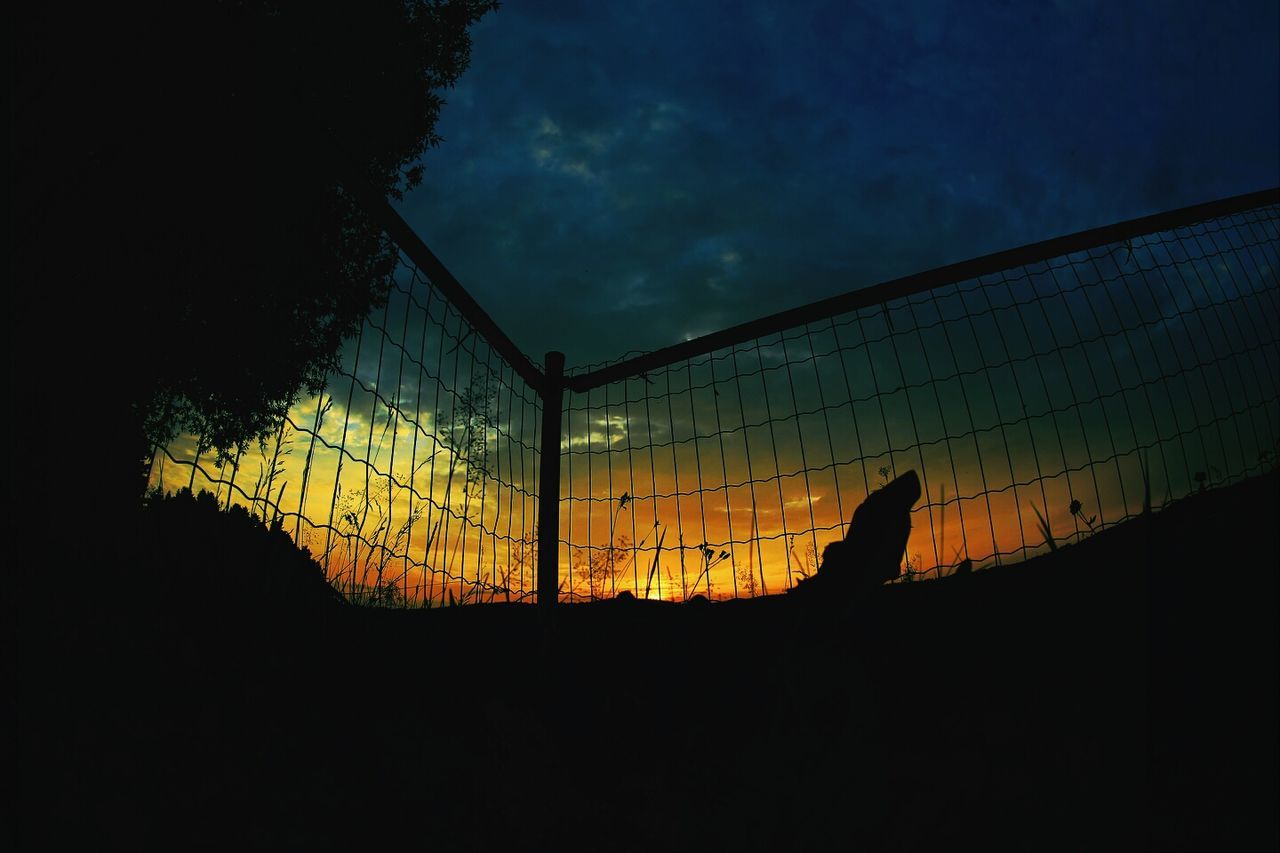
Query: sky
x,y
618,177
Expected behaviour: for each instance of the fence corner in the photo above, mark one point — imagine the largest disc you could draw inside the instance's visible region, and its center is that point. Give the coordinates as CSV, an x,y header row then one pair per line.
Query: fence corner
x,y
549,481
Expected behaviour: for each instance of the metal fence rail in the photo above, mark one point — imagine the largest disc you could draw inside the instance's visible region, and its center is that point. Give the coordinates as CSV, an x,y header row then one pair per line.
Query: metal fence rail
x,y
1041,393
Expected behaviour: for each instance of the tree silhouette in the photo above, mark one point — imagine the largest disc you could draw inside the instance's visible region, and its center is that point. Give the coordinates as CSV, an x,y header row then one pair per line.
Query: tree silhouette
x,y
181,221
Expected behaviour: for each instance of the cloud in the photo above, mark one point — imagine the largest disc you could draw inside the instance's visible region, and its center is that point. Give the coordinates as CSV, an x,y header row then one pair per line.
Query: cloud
x,y
616,178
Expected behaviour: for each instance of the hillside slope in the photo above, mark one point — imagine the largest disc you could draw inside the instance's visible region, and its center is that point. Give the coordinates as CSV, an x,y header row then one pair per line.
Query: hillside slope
x,y
1117,693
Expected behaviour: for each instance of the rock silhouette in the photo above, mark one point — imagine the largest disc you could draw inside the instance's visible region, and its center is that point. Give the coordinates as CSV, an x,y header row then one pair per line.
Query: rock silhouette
x,y
871,552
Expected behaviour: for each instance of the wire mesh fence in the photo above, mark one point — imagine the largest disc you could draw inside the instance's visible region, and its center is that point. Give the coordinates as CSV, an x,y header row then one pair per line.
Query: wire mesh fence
x,y
412,478
1041,395
1038,403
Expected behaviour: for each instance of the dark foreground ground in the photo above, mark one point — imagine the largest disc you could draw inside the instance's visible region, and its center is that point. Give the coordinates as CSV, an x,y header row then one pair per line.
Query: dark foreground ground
x,y
1119,694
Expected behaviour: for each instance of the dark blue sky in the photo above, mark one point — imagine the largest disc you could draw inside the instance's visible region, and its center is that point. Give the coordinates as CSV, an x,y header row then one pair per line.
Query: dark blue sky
x,y
621,176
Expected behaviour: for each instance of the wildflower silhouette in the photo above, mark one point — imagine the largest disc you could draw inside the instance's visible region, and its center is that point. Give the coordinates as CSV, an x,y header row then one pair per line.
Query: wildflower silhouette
x,y
611,553
1076,511
710,559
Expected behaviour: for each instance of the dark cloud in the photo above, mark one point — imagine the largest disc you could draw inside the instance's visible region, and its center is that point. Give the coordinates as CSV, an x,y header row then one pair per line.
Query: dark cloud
x,y
619,177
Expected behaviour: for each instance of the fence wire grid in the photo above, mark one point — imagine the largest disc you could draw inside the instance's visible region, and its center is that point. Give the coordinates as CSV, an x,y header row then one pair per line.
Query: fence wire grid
x,y
1038,399
412,478
1039,402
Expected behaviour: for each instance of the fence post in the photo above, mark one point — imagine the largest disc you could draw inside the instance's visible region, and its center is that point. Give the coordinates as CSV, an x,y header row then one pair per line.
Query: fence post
x,y
549,481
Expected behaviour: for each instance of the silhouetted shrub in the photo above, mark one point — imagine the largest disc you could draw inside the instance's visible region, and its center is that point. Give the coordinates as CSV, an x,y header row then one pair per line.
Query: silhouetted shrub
x,y
208,556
